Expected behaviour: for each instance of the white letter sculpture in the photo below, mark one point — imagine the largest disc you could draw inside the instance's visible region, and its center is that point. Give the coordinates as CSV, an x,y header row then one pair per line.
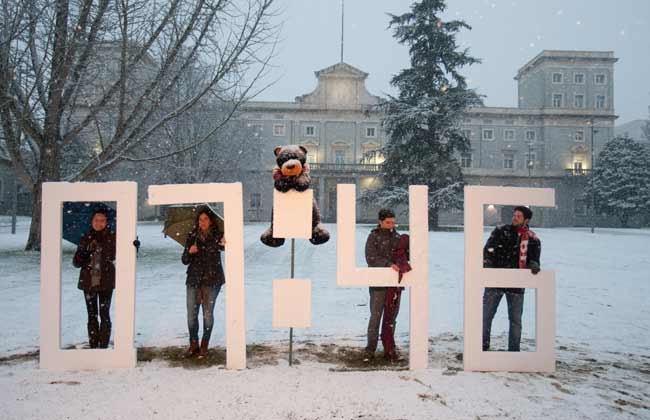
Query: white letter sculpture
x,y
478,278
292,217
123,355
348,274
231,196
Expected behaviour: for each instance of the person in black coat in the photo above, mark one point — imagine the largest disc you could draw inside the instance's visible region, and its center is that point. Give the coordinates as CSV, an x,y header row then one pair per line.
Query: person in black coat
x,y
95,256
202,255
509,246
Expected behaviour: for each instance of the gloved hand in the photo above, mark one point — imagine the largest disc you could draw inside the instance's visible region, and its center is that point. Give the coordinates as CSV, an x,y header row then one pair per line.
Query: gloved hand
x,y
534,267
136,244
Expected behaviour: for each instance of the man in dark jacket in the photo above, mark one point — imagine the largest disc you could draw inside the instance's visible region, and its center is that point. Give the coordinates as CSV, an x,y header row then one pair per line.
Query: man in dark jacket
x,y
509,246
95,255
380,250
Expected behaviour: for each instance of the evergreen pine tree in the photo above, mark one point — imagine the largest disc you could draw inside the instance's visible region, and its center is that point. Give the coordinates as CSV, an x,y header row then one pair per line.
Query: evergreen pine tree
x,y
422,121
620,180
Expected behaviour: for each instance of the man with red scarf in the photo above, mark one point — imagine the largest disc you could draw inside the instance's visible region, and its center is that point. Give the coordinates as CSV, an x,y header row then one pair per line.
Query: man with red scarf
x,y
509,246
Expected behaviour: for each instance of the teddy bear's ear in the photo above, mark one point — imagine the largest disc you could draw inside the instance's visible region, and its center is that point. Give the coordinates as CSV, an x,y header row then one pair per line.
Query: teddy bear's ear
x,y
277,150
303,149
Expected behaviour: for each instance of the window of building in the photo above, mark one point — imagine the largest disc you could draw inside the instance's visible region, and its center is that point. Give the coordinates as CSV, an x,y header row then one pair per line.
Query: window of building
x,y
256,127
487,121
600,101
467,133
508,161
466,160
371,132
600,79
557,77
579,78
509,122
579,135
255,200
339,156
509,135
579,101
577,167
531,157
312,153
557,100
370,154
310,131
530,135
278,129
488,134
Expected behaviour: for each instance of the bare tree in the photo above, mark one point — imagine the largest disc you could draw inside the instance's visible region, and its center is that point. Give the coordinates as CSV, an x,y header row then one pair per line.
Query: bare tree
x,y
88,84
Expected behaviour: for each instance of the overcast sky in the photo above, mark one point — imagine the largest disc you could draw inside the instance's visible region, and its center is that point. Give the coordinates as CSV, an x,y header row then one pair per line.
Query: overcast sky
x,y
505,35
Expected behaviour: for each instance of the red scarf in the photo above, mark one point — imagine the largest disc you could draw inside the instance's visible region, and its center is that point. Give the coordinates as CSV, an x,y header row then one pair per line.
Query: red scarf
x,y
524,234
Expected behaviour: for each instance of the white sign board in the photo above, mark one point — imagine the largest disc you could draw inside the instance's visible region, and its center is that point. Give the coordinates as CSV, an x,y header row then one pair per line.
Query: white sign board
x,y
478,278
292,303
292,213
231,197
349,275
123,355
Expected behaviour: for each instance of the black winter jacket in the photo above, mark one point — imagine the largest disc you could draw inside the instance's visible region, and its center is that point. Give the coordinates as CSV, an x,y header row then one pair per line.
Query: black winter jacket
x,y
204,267
502,250
92,242
380,247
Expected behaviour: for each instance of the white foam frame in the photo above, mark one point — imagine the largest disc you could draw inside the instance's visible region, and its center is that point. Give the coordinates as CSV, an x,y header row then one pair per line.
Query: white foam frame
x,y
292,211
349,275
231,197
123,353
291,303
478,278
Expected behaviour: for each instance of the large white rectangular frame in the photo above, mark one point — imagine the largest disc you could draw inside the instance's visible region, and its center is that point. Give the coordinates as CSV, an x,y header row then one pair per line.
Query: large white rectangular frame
x,y
478,278
231,196
123,355
417,280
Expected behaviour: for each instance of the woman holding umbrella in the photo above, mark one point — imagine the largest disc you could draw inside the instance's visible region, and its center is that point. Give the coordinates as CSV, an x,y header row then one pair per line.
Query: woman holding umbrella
x,y
95,256
202,255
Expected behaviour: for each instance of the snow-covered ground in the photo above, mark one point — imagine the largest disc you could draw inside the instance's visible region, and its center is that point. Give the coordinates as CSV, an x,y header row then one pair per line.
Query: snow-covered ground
x,y
603,339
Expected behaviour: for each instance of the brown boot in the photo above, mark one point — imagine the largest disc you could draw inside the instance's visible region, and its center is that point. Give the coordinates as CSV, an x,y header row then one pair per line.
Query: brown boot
x,y
204,349
193,350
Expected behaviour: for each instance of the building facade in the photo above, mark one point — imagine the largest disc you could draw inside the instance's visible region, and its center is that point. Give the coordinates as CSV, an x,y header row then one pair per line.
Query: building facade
x,y
565,112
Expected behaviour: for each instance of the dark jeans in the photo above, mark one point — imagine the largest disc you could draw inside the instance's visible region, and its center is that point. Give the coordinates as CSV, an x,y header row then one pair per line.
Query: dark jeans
x,y
204,296
99,303
377,302
491,298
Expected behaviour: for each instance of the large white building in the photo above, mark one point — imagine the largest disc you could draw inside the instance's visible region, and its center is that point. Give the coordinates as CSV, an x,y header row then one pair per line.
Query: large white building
x,y
545,142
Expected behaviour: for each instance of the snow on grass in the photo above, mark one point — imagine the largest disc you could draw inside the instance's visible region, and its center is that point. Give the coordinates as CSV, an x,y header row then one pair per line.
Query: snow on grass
x,y
602,339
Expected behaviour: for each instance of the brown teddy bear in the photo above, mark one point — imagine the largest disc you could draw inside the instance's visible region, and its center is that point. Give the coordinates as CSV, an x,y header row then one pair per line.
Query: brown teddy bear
x,y
292,172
